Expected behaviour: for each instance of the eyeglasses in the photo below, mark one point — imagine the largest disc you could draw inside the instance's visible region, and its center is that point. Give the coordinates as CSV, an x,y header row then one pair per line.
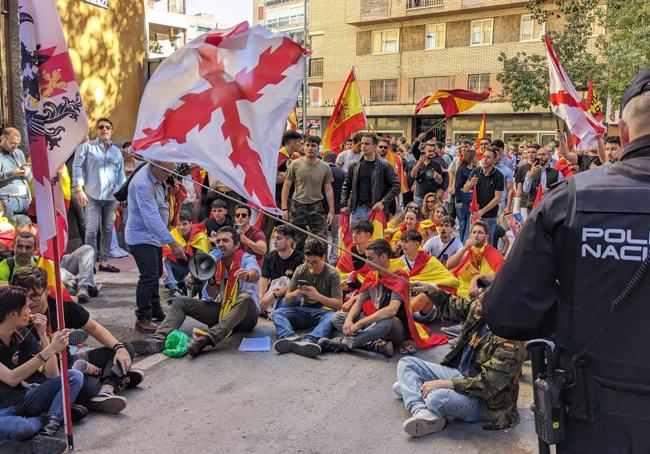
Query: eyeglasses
x,y
241,215
100,127
383,147
35,297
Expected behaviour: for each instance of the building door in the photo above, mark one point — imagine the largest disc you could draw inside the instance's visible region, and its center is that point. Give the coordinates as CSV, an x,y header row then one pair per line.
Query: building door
x,y
435,127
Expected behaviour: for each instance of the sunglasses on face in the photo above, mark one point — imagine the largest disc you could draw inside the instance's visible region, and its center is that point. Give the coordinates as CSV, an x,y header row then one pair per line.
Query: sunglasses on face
x,y
101,127
241,215
383,147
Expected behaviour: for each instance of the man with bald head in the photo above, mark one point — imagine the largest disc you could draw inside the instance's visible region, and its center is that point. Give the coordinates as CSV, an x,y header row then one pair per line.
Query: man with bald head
x,y
146,233
15,174
587,241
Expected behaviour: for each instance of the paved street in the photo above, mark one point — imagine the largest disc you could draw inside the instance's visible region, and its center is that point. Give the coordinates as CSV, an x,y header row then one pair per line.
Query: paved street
x,y
230,401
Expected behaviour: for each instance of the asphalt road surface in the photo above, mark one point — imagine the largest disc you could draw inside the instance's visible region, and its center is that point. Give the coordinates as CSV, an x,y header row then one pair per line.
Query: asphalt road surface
x,y
226,401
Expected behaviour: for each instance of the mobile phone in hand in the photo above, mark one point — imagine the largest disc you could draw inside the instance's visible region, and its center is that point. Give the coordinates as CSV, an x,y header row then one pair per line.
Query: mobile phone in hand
x,y
302,282
117,370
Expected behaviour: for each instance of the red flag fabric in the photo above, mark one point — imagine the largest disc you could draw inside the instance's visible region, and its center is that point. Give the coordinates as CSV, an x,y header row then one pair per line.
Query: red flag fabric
x,y
420,333
473,206
221,102
539,195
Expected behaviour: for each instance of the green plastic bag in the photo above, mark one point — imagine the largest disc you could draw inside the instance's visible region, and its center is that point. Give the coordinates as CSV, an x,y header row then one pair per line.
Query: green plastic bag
x,y
176,344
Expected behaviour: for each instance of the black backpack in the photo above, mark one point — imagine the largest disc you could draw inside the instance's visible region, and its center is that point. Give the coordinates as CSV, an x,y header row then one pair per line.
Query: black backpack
x,y
122,194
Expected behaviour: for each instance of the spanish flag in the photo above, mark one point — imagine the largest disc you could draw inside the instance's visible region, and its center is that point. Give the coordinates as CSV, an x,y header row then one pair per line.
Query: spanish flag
x,y
396,162
400,285
292,121
345,264
347,118
424,227
477,261
378,220
482,134
428,269
453,101
198,240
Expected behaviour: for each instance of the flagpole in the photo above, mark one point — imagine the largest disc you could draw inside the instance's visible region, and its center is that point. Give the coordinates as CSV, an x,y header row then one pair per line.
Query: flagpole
x,y
63,355
271,216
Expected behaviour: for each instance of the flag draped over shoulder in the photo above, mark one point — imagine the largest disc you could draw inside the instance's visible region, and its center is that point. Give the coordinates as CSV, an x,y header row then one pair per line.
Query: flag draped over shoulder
x,y
221,102
429,270
453,101
420,333
378,220
198,240
347,117
55,115
476,261
568,105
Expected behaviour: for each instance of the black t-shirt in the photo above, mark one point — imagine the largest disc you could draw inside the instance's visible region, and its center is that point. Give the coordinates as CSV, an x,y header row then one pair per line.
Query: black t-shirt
x,y
75,315
585,162
337,186
211,224
425,179
499,232
486,186
22,347
520,177
275,266
364,183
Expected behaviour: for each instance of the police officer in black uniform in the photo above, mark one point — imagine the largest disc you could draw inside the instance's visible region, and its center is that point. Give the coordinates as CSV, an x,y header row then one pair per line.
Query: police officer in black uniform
x,y
587,244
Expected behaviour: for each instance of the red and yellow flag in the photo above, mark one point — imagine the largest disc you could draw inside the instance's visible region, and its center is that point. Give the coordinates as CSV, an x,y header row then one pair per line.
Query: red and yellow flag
x,y
428,269
453,101
396,161
477,261
378,220
198,240
292,121
420,333
347,118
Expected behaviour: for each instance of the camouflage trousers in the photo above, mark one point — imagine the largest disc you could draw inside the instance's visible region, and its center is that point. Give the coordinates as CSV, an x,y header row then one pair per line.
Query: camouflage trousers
x,y
308,216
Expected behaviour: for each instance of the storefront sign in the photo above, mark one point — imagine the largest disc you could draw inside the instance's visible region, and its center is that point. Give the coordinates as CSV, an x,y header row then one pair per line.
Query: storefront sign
x,y
332,102
100,3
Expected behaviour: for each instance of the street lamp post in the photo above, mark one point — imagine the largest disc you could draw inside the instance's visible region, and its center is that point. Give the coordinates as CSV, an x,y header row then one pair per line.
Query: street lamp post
x,y
304,83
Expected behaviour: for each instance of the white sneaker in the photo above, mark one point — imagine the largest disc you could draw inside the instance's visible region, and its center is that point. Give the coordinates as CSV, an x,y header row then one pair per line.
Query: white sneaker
x,y
422,423
397,390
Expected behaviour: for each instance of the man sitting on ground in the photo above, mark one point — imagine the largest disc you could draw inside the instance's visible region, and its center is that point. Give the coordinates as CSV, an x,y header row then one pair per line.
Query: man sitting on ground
x,y
352,269
80,262
192,237
218,218
313,296
253,240
446,244
230,300
100,383
478,380
377,317
278,268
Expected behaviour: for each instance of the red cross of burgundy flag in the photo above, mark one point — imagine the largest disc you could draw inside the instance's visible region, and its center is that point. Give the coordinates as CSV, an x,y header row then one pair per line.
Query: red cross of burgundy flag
x,y
568,105
221,102
55,115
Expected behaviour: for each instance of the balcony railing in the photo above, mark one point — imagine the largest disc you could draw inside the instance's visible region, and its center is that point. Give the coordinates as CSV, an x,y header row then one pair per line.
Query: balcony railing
x,y
316,67
412,4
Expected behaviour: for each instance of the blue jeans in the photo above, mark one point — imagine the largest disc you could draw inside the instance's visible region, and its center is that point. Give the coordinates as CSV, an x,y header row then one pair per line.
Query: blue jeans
x,y
15,205
175,272
360,212
492,224
463,215
23,422
413,372
100,214
288,318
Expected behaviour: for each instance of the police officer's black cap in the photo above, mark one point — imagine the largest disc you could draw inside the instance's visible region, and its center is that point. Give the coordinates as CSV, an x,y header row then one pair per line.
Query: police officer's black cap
x,y
639,85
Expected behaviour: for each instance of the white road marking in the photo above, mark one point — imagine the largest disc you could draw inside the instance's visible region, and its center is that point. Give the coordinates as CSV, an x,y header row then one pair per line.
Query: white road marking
x,y
149,361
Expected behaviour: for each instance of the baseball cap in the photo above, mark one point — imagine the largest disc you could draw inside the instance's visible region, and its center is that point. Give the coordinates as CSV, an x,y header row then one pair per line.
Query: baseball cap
x,y
639,85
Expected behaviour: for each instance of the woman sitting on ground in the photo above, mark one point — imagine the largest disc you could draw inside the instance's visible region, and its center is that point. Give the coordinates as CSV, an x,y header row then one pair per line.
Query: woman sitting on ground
x,y
396,222
411,222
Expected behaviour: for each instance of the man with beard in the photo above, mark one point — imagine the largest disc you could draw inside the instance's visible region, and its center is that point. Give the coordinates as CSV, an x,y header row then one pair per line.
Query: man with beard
x,y
541,176
445,244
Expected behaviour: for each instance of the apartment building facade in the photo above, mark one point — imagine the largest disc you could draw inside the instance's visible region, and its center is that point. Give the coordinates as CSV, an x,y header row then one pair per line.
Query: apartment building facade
x,y
167,27
282,16
403,50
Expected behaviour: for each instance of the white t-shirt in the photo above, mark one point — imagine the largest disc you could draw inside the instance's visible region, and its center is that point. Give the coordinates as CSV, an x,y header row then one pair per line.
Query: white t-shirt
x,y
434,246
347,158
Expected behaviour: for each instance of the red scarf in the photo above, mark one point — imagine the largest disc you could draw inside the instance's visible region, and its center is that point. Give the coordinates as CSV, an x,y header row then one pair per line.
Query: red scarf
x,y
230,292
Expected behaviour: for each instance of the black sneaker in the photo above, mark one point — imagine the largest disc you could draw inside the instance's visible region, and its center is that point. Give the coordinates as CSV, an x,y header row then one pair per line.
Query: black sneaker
x,y
331,345
42,444
107,403
134,378
157,314
386,348
82,294
78,412
304,348
284,345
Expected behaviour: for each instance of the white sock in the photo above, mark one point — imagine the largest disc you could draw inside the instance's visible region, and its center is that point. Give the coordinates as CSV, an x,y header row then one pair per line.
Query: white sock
x,y
423,413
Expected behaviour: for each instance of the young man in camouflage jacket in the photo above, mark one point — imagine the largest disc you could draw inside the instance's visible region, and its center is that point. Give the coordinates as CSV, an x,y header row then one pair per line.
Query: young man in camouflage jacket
x,y
478,380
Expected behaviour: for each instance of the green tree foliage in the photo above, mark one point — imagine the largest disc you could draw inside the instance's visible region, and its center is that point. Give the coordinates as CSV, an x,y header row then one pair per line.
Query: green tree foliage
x,y
626,46
525,76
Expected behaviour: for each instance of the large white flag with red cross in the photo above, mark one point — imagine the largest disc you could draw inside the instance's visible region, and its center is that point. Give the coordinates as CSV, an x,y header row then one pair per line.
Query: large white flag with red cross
x,y
55,115
568,105
221,102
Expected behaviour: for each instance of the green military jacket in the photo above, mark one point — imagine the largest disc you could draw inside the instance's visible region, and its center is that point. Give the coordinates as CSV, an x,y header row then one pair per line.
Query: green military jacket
x,y
494,368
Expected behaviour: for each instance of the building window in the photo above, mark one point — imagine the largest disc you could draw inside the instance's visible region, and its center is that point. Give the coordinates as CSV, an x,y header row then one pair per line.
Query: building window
x,y
478,82
531,30
481,32
315,67
410,4
383,90
385,41
435,36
